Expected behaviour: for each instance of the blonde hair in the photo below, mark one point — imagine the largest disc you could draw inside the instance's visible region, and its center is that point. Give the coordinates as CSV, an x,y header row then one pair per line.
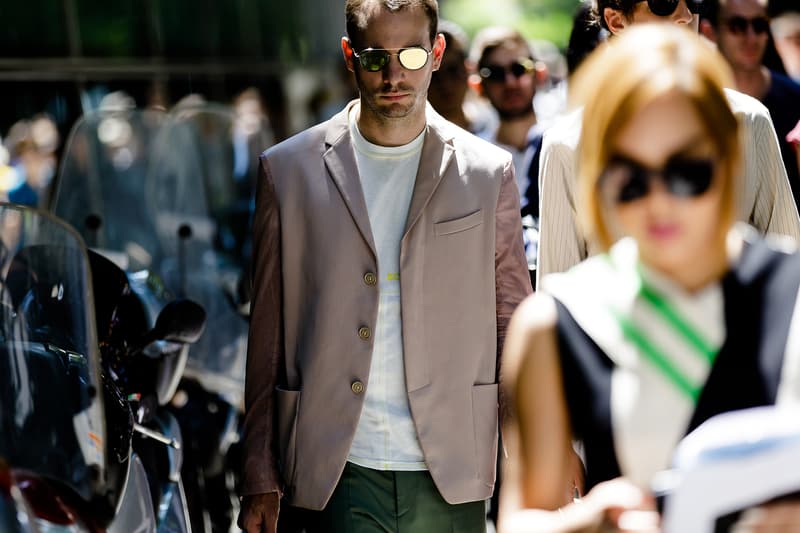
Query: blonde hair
x,y
621,77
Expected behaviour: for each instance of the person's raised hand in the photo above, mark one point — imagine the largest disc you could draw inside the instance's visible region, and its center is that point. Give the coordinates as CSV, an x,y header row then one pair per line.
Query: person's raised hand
x,y
774,517
623,507
259,513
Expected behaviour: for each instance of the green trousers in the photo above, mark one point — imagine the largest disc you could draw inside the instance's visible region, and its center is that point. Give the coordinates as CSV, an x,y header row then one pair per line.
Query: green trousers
x,y
375,501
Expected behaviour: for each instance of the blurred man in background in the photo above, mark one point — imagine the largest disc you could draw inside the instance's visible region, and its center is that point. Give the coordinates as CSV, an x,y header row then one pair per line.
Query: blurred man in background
x,y
449,93
741,30
504,61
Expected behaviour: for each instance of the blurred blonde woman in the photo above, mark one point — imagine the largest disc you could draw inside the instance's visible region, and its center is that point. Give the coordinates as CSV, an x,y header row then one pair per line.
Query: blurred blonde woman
x,y
684,316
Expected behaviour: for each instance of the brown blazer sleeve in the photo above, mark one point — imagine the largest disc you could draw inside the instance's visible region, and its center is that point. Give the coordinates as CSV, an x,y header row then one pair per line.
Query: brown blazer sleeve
x,y
512,280
265,343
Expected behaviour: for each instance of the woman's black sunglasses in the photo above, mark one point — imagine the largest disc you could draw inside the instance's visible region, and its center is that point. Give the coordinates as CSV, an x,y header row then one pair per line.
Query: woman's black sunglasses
x,y
665,8
624,180
376,59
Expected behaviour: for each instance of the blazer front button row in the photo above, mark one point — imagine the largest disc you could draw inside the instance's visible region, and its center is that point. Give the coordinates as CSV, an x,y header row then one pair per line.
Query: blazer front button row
x,y
370,278
364,332
357,387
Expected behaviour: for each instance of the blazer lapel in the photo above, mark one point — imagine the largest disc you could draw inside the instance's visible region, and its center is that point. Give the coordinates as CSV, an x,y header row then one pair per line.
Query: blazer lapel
x,y
436,155
341,163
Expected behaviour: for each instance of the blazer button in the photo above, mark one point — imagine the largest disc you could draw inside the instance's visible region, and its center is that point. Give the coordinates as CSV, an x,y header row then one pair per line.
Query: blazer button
x,y
364,332
357,387
370,278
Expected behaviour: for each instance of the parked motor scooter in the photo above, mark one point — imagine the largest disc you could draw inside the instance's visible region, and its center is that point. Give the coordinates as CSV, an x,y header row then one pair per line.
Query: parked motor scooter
x,y
207,168
66,426
102,191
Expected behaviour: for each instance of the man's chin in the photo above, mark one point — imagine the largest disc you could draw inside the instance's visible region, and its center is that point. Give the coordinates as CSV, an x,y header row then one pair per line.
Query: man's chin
x,y
513,114
395,110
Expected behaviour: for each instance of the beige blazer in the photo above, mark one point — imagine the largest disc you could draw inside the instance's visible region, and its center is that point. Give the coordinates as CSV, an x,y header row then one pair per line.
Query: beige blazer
x,y
463,272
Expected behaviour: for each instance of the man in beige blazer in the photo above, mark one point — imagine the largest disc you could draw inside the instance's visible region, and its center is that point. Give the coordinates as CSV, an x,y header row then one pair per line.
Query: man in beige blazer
x,y
388,259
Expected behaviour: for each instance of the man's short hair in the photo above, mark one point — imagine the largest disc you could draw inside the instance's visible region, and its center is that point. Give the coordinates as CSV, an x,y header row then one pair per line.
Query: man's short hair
x,y
626,7
357,12
493,37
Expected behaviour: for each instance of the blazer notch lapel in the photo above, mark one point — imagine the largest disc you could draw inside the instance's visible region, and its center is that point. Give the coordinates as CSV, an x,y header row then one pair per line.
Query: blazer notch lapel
x,y
341,164
437,155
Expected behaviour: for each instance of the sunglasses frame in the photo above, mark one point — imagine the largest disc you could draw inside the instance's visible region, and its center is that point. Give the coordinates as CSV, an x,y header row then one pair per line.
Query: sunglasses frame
x,y
665,8
387,54
738,25
673,176
489,72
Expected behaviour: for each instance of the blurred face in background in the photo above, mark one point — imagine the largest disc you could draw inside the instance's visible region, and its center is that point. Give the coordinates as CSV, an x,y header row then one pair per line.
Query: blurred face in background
x,y
742,33
786,32
449,84
512,83
662,187
642,13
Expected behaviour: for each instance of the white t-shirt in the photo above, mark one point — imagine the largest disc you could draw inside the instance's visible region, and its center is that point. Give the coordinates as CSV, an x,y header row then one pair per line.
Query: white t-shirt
x,y
386,438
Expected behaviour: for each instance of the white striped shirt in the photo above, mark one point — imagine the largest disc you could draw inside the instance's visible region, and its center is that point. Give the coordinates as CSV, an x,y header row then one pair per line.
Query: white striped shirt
x,y
766,200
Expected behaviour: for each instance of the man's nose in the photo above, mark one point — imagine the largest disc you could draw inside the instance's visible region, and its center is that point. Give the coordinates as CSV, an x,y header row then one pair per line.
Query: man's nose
x,y
682,14
511,78
393,70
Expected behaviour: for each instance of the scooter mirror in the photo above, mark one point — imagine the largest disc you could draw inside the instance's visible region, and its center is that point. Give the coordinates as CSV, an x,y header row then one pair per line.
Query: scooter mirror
x,y
181,321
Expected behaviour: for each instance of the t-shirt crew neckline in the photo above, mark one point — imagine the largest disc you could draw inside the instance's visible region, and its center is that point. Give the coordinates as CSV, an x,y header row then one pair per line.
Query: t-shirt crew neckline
x,y
377,151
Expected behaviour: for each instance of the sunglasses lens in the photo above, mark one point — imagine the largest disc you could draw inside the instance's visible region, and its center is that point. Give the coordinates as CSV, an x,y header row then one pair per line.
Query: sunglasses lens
x,y
413,58
695,6
663,8
737,25
519,69
760,25
634,187
688,178
373,60
623,182
493,73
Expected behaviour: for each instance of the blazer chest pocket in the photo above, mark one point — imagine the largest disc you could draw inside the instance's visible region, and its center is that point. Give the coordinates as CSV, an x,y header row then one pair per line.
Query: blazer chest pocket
x,y
457,225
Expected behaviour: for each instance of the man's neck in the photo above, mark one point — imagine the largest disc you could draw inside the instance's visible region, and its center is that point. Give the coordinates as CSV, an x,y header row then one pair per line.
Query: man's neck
x,y
514,132
754,82
385,131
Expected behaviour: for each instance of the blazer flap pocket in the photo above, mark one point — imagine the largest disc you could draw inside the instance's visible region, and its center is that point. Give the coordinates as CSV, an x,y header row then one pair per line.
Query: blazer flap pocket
x,y
286,403
459,224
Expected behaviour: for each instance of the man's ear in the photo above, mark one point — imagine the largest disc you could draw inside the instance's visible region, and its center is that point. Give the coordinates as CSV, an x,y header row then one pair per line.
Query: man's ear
x,y
708,31
347,51
439,44
616,21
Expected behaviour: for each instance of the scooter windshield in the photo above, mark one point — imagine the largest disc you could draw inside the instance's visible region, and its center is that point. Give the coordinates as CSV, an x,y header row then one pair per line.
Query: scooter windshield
x,y
51,410
101,189
205,170
172,194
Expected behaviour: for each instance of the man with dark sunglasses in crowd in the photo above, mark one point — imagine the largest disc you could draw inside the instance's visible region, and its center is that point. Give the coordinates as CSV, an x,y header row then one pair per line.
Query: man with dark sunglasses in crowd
x,y
504,63
506,72
766,199
450,93
741,30
387,262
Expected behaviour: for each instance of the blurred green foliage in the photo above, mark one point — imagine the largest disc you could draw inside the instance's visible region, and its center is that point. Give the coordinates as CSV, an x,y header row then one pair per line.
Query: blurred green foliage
x,y
535,19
